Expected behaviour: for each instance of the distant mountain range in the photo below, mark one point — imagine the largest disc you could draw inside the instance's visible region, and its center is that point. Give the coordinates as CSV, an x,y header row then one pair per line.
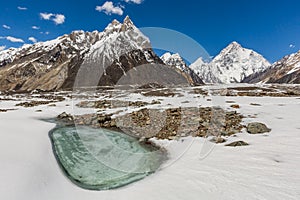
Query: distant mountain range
x,y
236,64
87,59
107,58
287,70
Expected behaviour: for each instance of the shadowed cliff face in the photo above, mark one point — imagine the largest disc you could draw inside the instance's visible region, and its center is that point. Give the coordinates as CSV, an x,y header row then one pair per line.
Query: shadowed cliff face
x,y
83,59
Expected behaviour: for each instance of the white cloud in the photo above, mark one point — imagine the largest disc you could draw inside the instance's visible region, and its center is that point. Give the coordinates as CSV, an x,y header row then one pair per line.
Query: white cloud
x,y
46,16
134,1
5,26
57,18
35,27
292,46
109,8
2,48
13,39
21,8
32,39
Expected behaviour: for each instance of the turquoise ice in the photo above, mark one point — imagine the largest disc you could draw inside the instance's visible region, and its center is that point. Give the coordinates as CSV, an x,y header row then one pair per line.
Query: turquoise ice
x,y
101,159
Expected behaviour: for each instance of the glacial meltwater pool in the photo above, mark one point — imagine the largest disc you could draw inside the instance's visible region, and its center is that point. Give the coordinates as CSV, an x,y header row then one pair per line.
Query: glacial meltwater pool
x,y
101,159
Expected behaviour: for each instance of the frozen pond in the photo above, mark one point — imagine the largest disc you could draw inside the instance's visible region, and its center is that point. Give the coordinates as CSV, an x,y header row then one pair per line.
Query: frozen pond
x,y
101,159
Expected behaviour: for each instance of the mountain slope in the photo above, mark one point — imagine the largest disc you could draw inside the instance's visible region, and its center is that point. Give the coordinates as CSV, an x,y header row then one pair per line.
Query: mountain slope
x,y
177,61
287,70
232,65
44,65
85,59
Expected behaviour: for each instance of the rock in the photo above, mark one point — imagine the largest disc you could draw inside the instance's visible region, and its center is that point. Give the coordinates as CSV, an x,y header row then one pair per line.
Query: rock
x,y
257,128
159,93
155,102
237,143
65,117
34,103
236,106
218,140
255,104
151,86
230,101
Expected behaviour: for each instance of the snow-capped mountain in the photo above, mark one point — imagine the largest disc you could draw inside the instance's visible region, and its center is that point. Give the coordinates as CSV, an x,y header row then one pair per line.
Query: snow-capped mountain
x,y
81,58
44,65
177,61
232,65
287,70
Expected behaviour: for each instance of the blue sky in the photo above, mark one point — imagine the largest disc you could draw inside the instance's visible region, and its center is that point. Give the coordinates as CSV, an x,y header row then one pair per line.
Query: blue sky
x,y
272,28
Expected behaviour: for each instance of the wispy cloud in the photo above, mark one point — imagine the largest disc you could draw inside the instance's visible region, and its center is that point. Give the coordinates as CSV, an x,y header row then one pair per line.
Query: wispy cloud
x,y
13,39
292,46
21,8
35,27
46,16
6,26
32,39
2,48
109,8
56,18
134,1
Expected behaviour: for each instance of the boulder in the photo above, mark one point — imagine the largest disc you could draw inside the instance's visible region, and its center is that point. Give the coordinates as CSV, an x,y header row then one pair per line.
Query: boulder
x,y
65,117
237,143
257,128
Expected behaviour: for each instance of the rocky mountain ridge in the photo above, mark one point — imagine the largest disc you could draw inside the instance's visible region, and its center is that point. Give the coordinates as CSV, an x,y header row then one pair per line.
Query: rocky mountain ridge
x,y
287,70
86,59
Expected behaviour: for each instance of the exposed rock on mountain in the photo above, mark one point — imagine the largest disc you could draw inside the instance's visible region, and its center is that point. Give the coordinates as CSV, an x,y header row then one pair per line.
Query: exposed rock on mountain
x,y
120,54
287,70
45,65
232,65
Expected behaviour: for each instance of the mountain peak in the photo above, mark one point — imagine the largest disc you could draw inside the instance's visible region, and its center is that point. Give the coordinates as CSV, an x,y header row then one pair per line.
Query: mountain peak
x,y
234,43
127,24
115,22
232,65
233,46
127,20
168,57
116,26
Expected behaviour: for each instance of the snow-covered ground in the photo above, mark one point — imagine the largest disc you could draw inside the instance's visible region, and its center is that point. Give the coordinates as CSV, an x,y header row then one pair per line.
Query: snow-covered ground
x,y
266,169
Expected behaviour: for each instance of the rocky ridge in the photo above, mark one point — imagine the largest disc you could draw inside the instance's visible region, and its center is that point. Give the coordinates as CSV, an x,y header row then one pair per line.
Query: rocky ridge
x,y
287,70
